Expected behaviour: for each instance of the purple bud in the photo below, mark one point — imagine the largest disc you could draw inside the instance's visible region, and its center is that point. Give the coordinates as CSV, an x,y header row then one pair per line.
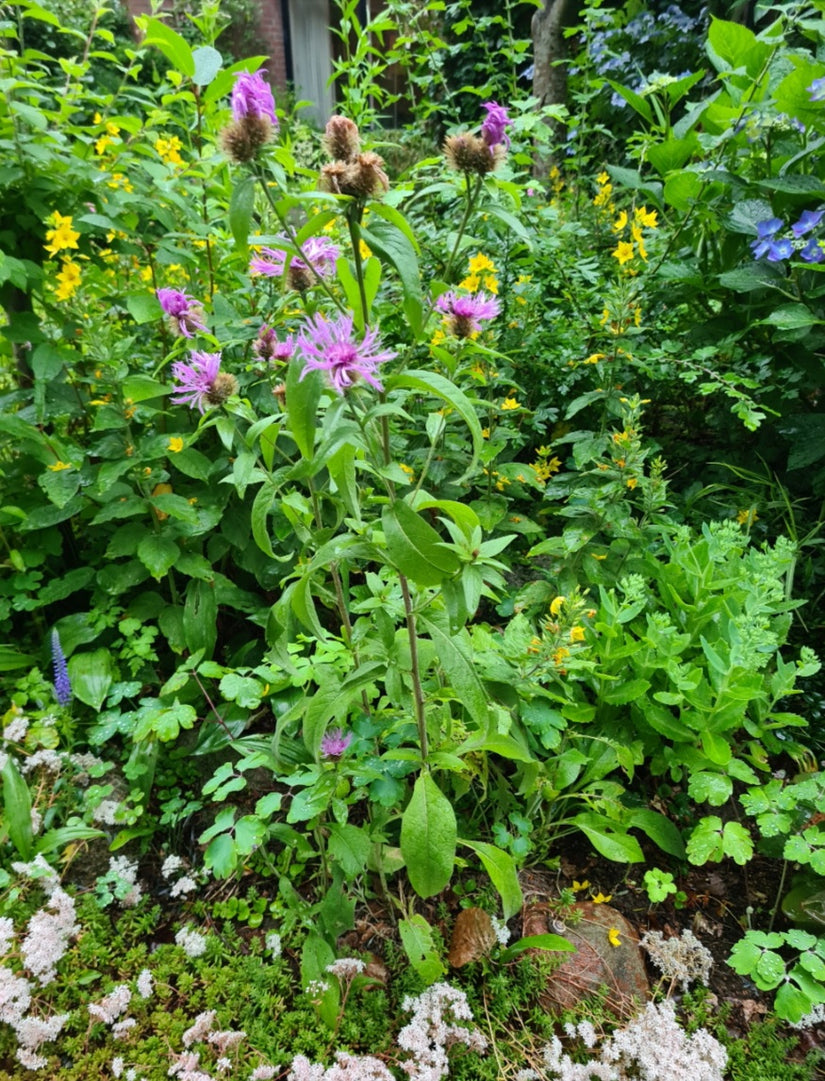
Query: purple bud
x,y
335,743
62,683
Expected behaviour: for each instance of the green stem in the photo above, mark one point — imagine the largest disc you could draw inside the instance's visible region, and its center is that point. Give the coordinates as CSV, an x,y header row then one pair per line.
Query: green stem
x,y
354,213
472,198
418,695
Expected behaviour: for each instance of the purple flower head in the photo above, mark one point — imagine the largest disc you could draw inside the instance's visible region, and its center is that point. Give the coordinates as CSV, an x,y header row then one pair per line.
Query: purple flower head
x,y
184,312
466,313
335,743
202,383
813,252
62,683
252,96
808,221
329,346
496,120
319,253
268,346
817,89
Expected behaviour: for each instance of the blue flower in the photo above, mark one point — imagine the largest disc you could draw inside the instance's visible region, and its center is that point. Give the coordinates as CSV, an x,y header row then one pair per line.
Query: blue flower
x,y
817,89
808,221
765,244
779,250
812,252
62,683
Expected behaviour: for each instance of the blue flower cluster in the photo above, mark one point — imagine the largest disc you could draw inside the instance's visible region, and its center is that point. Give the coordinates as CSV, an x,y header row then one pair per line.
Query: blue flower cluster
x,y
775,248
665,42
817,89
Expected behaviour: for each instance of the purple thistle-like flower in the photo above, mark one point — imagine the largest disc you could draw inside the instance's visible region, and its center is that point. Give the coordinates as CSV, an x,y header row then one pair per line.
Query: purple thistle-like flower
x,y
817,89
318,252
493,129
268,346
202,383
329,346
466,313
252,96
182,309
808,221
62,683
335,743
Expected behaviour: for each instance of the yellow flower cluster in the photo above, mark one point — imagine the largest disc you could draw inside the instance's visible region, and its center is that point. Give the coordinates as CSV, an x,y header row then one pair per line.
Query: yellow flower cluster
x,y
169,150
107,139
626,250
482,274
61,235
68,280
604,196
556,182
545,465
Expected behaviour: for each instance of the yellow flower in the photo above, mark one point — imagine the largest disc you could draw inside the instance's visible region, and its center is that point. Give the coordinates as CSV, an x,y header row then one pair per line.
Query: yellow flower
x,y
620,222
613,937
602,178
557,605
594,358
102,143
636,233
623,252
605,317
637,316
560,654
485,433
545,470
58,465
579,886
175,444
603,197
68,280
62,235
480,262
120,181
471,283
631,483
510,403
146,274
747,517
169,150
577,634
646,217
408,470
602,898
364,249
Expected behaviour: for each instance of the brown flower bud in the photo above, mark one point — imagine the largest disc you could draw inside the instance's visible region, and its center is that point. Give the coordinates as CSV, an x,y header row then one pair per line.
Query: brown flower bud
x,y
469,154
363,178
223,387
341,139
243,139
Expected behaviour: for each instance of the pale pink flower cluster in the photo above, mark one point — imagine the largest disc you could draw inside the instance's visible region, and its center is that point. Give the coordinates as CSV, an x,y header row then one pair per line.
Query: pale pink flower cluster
x,y
185,882
653,1047
15,731
126,871
145,984
200,1029
346,1068
346,968
32,1033
46,759
432,1031
110,1008
185,1067
48,935
191,942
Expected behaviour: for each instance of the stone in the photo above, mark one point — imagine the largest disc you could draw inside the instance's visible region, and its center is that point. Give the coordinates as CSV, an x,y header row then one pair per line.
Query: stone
x,y
598,962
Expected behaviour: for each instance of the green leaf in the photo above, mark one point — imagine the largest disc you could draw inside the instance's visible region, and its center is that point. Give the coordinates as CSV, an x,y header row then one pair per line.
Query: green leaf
x,y
392,243
208,62
316,955
350,847
433,383
732,46
501,868
17,808
428,838
157,553
415,548
220,855
790,317
712,788
682,189
241,206
607,838
11,659
143,308
672,154
554,943
302,398
454,652
705,842
659,829
174,47
628,691
91,675
634,100
417,940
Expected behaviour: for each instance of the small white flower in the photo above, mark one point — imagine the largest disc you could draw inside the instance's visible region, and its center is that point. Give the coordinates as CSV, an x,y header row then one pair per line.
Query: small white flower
x,y
191,942
273,944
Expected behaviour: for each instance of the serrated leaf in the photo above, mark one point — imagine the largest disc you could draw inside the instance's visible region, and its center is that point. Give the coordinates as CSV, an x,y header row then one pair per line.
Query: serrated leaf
x,y
501,868
414,547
